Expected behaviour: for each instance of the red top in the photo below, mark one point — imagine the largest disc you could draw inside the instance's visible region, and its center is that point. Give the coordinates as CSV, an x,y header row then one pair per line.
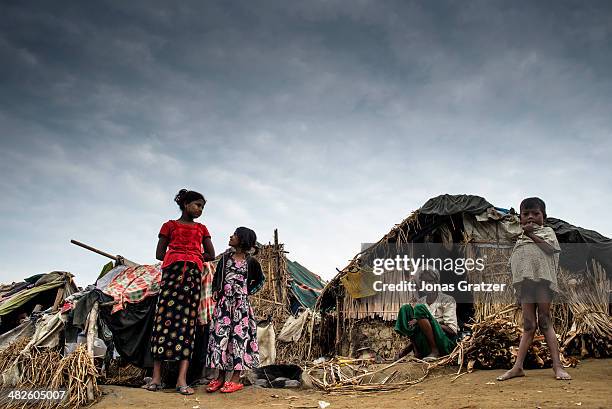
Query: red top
x,y
185,242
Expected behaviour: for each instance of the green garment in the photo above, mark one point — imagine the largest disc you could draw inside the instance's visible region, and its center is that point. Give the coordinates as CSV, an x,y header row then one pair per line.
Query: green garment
x,y
420,311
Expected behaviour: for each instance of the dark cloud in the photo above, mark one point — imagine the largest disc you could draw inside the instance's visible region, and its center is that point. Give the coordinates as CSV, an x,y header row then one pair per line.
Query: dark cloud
x,y
330,120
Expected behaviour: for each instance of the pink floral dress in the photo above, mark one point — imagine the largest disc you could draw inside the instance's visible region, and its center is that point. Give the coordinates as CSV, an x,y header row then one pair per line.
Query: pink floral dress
x,y
233,331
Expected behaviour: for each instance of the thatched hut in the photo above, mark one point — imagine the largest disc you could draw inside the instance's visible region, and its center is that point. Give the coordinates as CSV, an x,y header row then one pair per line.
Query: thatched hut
x,y
289,289
357,317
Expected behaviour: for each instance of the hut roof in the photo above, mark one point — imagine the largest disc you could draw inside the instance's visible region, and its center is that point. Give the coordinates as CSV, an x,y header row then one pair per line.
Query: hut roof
x,y
19,294
450,210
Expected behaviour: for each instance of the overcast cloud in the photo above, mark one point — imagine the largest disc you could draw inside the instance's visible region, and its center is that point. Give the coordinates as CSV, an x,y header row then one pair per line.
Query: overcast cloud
x,y
329,120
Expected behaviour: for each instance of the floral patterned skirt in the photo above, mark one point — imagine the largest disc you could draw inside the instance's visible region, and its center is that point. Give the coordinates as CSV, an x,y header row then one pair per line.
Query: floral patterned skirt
x,y
232,345
177,307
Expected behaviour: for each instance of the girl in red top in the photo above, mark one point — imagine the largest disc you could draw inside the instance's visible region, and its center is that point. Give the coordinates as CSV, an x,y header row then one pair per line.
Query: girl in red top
x,y
180,248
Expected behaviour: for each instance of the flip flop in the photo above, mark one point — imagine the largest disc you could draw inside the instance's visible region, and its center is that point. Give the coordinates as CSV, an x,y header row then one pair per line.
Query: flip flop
x,y
185,390
154,387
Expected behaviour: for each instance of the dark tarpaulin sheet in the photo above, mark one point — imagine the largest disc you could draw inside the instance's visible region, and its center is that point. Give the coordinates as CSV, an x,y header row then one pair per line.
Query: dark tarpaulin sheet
x,y
574,257
131,328
445,205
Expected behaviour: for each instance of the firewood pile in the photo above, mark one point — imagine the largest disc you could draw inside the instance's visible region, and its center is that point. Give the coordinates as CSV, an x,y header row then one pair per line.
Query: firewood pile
x,y
493,344
588,345
490,345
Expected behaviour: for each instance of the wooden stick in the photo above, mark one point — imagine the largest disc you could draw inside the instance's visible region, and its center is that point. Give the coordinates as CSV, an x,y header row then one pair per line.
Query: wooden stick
x,y
338,341
58,299
312,319
270,301
118,259
278,290
95,250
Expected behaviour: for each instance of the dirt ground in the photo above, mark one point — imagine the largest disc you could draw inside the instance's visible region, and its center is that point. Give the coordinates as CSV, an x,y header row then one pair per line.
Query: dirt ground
x,y
590,388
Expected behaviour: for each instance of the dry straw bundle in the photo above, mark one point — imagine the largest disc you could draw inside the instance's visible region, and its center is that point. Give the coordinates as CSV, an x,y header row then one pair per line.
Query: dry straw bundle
x,y
77,374
38,366
9,354
46,369
588,297
128,375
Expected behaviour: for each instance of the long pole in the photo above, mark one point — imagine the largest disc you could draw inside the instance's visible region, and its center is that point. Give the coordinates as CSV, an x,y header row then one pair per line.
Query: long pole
x,y
95,250
277,271
117,259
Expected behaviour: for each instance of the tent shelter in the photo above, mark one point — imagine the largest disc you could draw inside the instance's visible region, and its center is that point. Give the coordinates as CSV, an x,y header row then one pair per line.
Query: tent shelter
x,y
18,300
77,331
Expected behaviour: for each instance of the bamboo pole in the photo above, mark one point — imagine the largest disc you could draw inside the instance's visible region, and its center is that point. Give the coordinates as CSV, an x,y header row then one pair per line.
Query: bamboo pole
x,y
269,301
95,250
338,328
277,272
312,319
117,259
58,299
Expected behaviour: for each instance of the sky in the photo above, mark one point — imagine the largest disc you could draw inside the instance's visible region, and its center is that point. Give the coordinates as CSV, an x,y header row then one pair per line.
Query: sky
x,y
329,120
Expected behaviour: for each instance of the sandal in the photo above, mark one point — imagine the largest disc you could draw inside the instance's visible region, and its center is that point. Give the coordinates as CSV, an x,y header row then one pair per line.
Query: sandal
x,y
154,387
229,387
214,386
185,390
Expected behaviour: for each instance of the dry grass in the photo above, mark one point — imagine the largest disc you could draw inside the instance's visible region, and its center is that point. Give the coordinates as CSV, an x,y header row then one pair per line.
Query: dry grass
x,y
45,368
128,375
344,375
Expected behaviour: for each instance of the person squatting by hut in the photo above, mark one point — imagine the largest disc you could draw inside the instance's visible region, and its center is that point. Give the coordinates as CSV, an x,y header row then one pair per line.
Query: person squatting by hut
x,y
431,324
534,263
233,330
180,247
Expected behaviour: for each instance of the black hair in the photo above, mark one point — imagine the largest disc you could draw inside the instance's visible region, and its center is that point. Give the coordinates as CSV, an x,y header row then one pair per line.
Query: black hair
x,y
534,203
185,196
247,237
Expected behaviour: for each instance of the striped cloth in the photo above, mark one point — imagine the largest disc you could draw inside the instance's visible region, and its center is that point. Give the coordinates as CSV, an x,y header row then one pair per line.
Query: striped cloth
x,y
134,284
207,304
